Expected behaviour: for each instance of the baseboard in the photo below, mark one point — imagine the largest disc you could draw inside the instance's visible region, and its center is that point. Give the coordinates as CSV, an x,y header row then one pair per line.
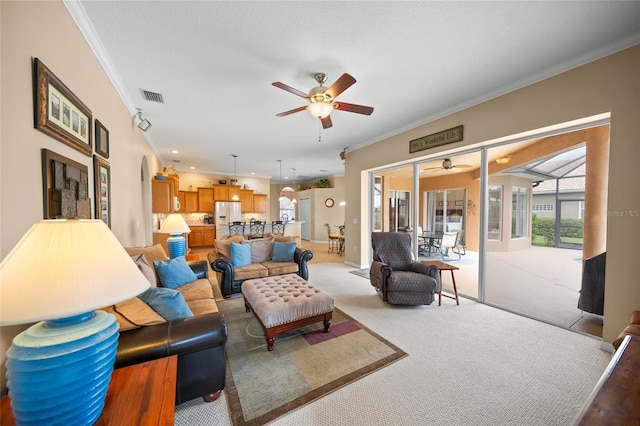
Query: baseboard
x,y
607,347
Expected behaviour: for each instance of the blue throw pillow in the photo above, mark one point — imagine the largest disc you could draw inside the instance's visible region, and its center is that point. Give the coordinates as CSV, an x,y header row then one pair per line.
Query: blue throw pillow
x,y
240,254
168,303
174,273
283,252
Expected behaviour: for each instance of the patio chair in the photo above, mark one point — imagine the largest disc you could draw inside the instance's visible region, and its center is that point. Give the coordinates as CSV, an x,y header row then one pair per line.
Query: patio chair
x,y
395,274
449,242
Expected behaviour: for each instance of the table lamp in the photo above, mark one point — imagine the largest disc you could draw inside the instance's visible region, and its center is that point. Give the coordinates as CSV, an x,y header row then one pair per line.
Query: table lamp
x,y
176,226
59,273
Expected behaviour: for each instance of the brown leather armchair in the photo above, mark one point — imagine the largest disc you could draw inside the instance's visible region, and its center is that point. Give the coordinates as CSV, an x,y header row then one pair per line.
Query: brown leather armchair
x,y
396,276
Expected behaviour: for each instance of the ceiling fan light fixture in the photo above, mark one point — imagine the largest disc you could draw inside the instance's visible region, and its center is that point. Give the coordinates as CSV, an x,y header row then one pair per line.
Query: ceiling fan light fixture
x,y
320,109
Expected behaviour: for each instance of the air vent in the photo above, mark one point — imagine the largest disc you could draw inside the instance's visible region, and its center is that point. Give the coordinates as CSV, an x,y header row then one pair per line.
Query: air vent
x,y
152,96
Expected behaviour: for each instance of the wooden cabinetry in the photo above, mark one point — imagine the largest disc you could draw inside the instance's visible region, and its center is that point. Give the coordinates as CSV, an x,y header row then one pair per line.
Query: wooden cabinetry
x,y
259,203
202,236
190,203
246,197
205,200
220,193
162,193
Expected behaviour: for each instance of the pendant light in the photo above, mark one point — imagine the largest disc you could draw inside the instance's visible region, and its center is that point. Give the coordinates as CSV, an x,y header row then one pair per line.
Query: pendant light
x,y
235,177
281,196
294,201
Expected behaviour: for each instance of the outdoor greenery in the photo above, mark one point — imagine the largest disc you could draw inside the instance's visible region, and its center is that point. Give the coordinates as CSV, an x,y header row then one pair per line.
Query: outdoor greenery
x,y
543,231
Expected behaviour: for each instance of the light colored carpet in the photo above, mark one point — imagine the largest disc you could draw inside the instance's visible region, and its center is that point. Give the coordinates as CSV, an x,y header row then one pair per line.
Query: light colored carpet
x,y
467,365
305,363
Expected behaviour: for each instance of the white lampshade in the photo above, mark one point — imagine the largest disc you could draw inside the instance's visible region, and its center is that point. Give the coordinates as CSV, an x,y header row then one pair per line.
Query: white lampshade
x,y
62,268
320,109
175,224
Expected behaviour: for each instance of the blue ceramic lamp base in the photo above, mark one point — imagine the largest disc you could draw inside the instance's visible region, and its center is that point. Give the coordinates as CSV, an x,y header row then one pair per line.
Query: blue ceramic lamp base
x,y
58,371
176,245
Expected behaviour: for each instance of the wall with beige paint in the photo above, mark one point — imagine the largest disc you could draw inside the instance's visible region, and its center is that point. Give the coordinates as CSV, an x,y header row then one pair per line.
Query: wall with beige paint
x,y
608,85
27,30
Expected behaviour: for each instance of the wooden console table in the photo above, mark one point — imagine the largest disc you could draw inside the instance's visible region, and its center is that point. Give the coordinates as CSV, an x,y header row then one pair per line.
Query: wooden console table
x,y
140,394
615,399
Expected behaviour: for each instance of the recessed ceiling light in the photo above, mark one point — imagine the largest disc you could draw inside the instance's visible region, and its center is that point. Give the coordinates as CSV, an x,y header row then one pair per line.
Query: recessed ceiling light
x,y
286,177
324,171
253,173
175,151
192,168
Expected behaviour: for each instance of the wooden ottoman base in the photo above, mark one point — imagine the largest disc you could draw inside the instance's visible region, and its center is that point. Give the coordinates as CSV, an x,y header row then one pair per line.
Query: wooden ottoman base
x,y
271,332
286,302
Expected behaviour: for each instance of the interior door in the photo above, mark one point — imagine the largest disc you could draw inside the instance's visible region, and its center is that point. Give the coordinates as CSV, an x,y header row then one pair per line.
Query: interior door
x,y
304,208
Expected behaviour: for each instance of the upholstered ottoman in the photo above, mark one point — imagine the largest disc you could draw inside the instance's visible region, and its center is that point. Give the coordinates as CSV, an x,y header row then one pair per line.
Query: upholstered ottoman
x,y
286,302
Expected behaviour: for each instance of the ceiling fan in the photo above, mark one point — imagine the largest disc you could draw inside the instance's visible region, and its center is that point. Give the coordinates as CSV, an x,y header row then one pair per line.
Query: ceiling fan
x,y
447,164
322,100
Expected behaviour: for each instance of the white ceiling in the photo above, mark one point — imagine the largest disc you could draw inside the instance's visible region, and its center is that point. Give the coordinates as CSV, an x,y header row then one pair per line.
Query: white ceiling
x,y
214,62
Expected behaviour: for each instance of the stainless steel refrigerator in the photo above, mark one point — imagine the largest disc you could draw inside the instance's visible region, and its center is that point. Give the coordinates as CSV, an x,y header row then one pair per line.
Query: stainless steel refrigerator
x,y
226,212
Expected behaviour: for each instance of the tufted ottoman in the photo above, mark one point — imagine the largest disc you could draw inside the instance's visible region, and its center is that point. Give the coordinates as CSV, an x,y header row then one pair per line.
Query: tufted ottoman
x,y
286,302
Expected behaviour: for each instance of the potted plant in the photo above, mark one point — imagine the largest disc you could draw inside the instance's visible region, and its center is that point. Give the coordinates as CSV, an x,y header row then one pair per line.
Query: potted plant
x,y
324,183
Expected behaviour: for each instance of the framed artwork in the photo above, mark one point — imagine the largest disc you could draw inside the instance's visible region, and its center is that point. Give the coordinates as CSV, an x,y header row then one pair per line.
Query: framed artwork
x,y
58,112
65,187
102,183
459,202
102,139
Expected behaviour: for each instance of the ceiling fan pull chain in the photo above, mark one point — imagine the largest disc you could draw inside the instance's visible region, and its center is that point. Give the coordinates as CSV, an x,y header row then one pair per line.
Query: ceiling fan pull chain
x,y
319,132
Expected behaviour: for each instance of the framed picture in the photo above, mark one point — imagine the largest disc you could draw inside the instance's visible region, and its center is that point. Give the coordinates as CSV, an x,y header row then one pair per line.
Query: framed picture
x,y
102,139
58,112
65,187
459,202
102,183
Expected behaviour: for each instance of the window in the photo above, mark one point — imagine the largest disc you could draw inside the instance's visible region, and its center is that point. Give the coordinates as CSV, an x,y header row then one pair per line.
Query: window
x,y
543,207
519,212
377,203
495,213
287,209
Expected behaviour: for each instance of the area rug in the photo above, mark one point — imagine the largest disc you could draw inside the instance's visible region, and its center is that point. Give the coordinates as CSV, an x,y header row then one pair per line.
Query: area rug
x,y
305,364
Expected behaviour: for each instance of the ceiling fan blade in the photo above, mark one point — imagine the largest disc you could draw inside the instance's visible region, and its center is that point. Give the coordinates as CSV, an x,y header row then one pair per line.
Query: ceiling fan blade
x,y
290,89
291,111
343,83
431,168
360,109
326,122
463,166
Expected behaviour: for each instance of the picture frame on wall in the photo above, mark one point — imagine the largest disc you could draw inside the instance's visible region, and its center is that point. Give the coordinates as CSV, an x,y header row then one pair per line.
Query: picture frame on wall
x,y
102,139
59,113
102,184
65,187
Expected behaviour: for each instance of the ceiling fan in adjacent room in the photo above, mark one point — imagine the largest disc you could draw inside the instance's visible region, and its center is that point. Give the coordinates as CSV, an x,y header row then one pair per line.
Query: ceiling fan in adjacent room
x,y
447,164
322,100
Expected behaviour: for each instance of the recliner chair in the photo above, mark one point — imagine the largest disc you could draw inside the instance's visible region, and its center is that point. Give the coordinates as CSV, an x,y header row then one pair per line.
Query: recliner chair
x,y
395,274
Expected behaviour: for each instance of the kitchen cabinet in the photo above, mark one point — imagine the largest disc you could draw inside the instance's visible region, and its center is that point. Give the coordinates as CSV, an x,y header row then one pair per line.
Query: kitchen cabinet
x,y
190,204
246,197
201,236
220,193
162,193
205,200
259,203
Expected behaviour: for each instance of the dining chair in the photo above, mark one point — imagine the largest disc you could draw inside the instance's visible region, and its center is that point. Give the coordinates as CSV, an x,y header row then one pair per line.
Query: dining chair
x,y
236,228
448,242
256,230
277,227
334,240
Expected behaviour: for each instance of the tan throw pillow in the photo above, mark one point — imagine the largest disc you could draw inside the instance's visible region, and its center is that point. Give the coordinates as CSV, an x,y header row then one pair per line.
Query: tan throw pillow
x,y
146,269
152,253
261,249
224,246
133,313
287,239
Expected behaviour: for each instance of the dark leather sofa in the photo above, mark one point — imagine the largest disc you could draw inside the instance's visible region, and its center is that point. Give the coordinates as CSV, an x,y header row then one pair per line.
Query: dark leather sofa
x,y
198,342
230,279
